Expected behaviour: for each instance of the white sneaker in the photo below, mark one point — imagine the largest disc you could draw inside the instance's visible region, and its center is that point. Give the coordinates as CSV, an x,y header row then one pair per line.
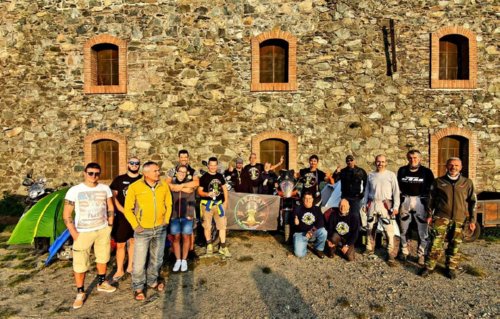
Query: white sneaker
x,y
80,299
177,265
184,265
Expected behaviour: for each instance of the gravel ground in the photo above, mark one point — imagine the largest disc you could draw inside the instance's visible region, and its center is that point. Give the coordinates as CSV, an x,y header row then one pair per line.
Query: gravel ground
x,y
262,280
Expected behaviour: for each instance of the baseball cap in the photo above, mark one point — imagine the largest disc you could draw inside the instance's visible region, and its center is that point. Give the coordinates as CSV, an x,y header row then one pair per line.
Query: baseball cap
x,y
349,158
239,160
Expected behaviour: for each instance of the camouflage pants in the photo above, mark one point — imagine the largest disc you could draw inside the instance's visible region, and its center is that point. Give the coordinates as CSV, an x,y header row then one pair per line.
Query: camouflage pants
x,y
444,229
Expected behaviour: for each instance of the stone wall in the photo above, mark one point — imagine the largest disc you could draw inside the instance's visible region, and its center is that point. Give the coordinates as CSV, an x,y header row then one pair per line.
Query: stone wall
x,y
189,76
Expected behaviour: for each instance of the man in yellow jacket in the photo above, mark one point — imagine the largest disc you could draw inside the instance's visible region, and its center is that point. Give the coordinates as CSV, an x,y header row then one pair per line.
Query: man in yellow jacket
x,y
148,206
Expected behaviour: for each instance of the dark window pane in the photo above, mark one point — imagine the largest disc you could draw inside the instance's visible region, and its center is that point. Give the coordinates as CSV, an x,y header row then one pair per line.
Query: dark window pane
x,y
453,57
274,61
107,64
271,151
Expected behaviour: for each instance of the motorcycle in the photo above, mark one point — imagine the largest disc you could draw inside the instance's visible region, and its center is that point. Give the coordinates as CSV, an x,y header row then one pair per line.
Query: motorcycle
x,y
289,200
36,190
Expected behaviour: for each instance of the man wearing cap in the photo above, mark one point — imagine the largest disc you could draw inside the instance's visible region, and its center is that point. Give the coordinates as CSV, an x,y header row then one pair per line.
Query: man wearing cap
x,y
238,180
353,185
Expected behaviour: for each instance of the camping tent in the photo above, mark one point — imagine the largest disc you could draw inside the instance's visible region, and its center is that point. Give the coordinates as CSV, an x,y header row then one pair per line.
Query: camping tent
x,y
44,219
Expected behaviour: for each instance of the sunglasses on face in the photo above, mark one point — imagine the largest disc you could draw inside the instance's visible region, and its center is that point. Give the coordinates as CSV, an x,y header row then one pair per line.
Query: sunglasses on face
x,y
92,174
348,161
134,163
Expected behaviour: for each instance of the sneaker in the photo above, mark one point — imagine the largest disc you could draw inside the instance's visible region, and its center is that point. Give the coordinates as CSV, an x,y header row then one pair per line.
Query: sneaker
x,y
106,287
184,265
391,261
79,300
403,257
421,260
451,273
177,265
318,253
424,272
225,252
210,249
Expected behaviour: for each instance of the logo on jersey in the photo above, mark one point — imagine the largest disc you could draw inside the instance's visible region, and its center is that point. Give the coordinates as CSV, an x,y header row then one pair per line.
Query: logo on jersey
x,y
342,228
215,187
254,173
310,180
308,219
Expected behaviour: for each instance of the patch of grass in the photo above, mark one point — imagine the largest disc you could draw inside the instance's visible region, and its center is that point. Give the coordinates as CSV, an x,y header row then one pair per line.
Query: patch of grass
x,y
360,315
248,245
266,270
20,278
8,257
4,239
7,312
7,228
343,302
202,282
377,308
244,258
474,271
26,264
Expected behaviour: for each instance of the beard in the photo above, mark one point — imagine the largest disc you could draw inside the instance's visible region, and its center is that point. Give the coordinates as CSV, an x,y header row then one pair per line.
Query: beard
x,y
133,171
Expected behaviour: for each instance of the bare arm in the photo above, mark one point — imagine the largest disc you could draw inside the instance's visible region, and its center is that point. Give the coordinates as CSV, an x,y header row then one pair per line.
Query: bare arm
x,y
111,210
282,159
118,206
226,196
69,206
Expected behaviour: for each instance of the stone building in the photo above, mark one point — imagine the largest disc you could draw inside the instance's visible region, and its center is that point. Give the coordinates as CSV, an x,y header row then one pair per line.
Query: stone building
x,y
101,80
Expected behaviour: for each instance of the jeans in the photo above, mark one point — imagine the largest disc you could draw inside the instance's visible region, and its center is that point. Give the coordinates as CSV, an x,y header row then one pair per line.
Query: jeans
x,y
300,241
151,240
181,225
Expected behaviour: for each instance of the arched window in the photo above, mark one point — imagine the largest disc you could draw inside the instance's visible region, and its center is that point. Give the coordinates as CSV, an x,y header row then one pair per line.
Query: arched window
x,y
274,62
105,65
453,59
453,146
105,152
271,151
109,150
454,142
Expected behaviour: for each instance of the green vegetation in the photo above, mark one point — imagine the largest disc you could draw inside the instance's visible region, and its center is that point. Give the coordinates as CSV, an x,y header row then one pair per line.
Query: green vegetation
x,y
474,271
7,312
11,205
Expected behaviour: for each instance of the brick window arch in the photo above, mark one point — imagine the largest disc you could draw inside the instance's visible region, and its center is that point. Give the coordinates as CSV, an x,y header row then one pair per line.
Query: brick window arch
x,y
453,59
457,142
105,65
274,61
109,150
270,144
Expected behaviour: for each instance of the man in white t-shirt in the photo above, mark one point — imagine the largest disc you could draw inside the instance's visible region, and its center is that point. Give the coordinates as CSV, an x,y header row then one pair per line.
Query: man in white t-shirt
x,y
93,206
381,202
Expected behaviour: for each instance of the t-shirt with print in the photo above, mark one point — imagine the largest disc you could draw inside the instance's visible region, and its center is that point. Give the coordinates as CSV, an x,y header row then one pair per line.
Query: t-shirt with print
x,y
213,183
309,218
90,206
191,173
312,180
121,184
253,172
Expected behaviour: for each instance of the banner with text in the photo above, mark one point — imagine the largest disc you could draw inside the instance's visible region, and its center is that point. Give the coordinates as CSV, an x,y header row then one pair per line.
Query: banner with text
x,y
252,211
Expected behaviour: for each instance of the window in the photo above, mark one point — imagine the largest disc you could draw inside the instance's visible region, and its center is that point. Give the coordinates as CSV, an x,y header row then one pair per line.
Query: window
x,y
109,150
274,62
453,142
105,65
271,145
453,59
106,57
105,152
271,151
453,146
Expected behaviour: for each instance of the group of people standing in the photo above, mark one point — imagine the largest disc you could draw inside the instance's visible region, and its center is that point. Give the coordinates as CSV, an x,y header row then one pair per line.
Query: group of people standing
x,y
136,209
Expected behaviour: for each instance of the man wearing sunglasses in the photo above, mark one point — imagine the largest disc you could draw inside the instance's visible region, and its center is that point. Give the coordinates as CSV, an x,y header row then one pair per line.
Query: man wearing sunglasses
x,y
93,206
122,231
381,201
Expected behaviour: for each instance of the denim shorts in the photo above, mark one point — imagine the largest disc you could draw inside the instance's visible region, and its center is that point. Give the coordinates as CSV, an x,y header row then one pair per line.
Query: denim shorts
x,y
181,225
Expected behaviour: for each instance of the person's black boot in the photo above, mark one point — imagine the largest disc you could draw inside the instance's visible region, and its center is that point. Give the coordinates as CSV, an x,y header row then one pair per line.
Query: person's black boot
x,y
424,272
451,273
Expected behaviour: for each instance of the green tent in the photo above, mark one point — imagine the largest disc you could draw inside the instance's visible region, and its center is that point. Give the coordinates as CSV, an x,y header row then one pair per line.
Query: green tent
x,y
44,219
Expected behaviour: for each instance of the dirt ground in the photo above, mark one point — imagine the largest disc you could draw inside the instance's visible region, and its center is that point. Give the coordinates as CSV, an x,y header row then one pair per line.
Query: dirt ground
x,y
261,280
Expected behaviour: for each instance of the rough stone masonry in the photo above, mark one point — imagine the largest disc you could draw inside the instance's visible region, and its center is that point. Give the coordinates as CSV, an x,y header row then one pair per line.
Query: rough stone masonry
x,y
189,76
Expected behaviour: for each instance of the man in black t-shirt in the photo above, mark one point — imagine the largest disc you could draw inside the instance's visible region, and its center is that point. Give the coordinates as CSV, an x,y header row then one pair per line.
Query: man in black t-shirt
x,y
310,227
343,230
122,231
414,182
267,180
238,179
253,170
352,183
311,179
214,196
